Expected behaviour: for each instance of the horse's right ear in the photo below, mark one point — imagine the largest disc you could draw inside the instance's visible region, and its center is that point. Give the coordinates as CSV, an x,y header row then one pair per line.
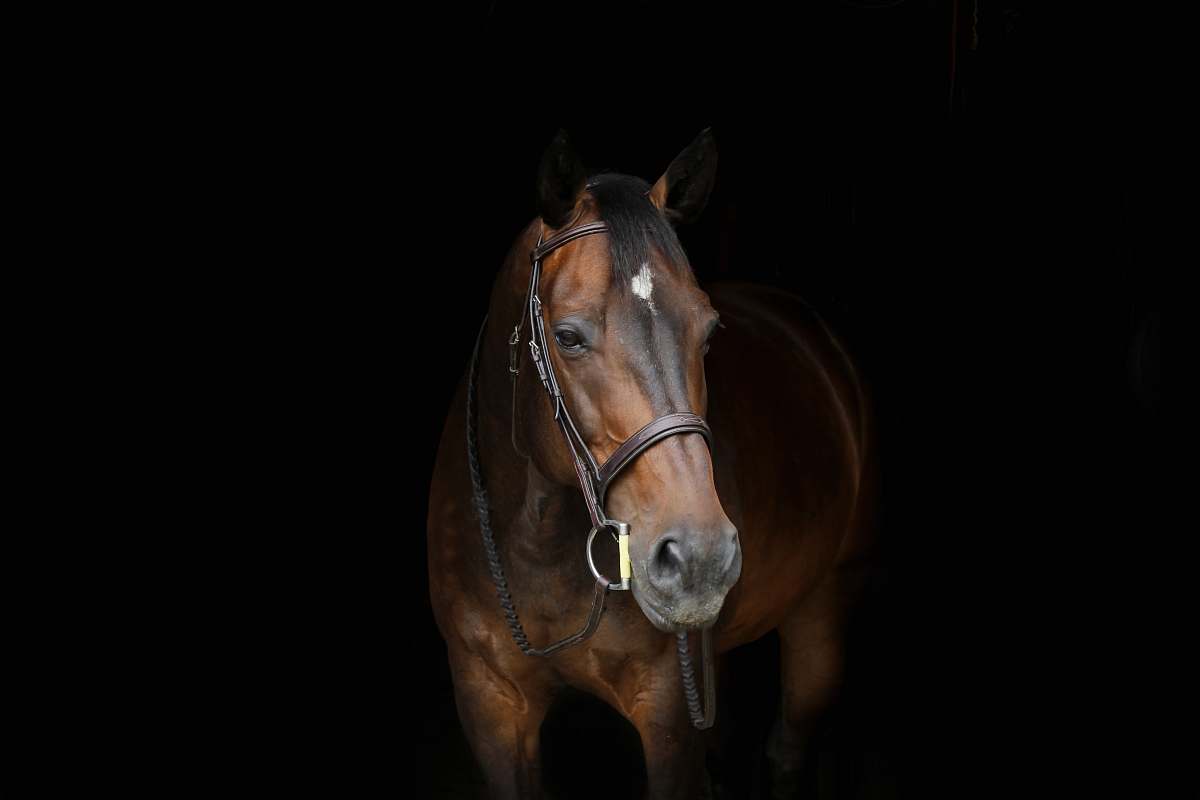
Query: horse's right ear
x,y
682,191
560,179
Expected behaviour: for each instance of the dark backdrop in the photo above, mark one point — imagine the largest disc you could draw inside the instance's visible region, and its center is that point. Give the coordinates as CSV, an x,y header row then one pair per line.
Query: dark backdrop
x,y
922,175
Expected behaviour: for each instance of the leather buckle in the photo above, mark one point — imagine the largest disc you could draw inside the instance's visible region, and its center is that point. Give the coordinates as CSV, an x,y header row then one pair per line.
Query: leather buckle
x,y
514,343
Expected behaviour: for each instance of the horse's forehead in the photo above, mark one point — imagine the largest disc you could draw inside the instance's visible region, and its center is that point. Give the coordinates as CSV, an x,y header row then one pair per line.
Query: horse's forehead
x,y
584,274
584,279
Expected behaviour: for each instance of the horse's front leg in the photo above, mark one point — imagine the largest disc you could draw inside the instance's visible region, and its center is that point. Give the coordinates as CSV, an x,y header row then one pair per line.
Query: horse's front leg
x,y
502,714
674,750
811,647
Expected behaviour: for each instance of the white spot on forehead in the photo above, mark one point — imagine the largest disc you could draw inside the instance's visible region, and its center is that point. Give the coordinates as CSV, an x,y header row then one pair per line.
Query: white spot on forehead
x,y
643,285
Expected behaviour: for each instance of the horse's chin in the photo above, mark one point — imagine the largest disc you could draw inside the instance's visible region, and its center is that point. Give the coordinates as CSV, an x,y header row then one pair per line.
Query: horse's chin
x,y
669,619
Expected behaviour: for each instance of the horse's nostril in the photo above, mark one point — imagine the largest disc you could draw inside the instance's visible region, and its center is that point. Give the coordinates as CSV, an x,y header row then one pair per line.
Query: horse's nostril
x,y
668,561
682,562
670,557
733,549
731,535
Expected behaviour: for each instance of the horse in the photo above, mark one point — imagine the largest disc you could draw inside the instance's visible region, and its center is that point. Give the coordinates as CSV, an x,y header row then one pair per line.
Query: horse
x,y
751,511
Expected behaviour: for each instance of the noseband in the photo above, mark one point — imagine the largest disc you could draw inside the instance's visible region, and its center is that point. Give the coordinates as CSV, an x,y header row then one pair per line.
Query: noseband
x,y
594,479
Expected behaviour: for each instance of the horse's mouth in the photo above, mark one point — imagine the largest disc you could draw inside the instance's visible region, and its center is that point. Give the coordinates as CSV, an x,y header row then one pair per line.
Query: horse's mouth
x,y
670,619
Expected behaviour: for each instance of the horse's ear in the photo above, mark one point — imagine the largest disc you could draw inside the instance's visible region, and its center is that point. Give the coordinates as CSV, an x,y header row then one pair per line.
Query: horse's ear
x,y
560,179
683,190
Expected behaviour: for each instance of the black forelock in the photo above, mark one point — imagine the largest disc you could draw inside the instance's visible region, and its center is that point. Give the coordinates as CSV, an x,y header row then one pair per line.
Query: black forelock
x,y
636,227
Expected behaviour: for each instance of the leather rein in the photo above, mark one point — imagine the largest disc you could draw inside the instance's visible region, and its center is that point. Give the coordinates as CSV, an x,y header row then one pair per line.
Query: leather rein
x,y
594,480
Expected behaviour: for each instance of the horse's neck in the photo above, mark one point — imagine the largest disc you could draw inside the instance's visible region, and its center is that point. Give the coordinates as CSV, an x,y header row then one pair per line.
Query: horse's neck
x,y
550,513
534,516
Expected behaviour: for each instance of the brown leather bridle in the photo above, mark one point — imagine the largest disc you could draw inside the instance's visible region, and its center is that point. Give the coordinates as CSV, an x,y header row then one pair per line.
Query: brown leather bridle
x,y
594,479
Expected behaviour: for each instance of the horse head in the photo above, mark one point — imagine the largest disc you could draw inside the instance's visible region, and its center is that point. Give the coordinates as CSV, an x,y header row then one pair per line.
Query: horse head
x,y
626,330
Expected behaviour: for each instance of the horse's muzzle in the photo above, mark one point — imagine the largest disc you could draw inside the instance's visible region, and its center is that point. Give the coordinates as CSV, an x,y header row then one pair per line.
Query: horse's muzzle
x,y
685,577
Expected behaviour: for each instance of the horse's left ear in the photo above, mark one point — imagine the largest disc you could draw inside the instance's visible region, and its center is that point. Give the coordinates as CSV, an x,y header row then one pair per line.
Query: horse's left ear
x,y
683,190
561,177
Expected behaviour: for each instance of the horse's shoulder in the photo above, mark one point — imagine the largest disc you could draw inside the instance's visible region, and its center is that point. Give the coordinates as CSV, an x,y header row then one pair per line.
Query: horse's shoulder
x,y
778,343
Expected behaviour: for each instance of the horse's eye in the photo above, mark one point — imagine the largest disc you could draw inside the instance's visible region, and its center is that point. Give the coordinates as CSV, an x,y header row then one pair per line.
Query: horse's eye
x,y
712,329
567,339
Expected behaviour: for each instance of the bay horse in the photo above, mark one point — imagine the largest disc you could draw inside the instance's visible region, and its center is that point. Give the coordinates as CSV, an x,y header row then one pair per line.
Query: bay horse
x,y
750,511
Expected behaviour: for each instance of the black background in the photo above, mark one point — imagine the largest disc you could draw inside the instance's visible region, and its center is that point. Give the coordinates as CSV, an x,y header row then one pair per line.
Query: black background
x,y
973,227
